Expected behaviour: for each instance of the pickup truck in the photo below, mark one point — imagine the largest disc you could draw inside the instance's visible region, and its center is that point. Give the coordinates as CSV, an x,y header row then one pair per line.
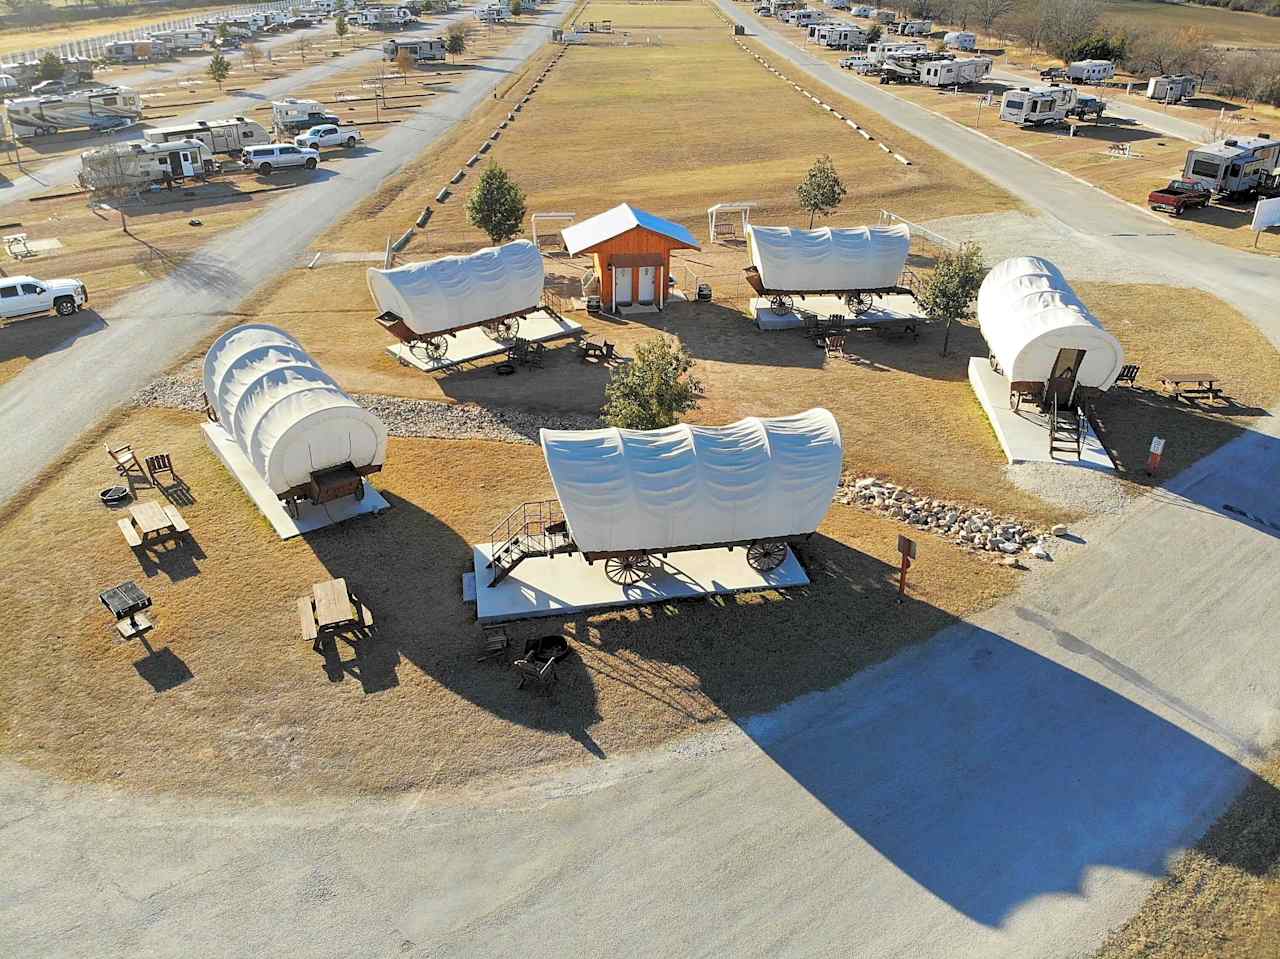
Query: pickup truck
x,y
1088,105
26,296
1179,197
329,135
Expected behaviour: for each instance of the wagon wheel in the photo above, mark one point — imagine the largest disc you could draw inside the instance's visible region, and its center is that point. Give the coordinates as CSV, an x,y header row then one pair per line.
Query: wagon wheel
x,y
627,570
859,303
503,330
781,305
430,349
359,494
766,554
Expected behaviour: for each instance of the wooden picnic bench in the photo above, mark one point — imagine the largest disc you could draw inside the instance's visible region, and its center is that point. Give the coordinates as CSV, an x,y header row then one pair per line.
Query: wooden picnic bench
x,y
329,608
148,520
601,352
1192,385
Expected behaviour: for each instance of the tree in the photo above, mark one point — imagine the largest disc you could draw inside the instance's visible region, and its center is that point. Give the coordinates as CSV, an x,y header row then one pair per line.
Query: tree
x,y
221,33
303,44
516,8
874,34
822,189
496,205
951,290
252,56
440,6
51,67
219,69
652,391
455,42
987,12
340,25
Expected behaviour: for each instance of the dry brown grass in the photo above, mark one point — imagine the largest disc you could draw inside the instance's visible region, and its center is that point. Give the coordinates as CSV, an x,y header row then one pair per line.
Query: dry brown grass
x,y
51,35
1222,899
259,714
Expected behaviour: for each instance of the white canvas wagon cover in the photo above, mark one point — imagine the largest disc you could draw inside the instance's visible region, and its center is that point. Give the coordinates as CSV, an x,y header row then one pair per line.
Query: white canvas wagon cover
x,y
829,260
625,490
287,415
460,291
1027,312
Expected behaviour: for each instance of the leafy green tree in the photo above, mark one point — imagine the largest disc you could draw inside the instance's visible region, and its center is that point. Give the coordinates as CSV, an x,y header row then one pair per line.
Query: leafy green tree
x,y
219,70
652,391
874,34
496,205
51,67
950,293
455,42
340,25
822,190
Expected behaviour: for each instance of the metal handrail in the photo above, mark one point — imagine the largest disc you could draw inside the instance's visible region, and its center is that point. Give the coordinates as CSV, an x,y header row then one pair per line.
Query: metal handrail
x,y
525,525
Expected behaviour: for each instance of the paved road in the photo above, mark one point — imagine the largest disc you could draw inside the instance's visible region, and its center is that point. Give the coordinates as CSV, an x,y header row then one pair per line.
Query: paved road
x,y
1006,790
72,388
63,171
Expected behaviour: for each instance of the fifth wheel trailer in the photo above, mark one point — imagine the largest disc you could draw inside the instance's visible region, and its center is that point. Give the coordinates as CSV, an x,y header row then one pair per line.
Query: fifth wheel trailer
x,y
1235,167
423,50
228,136
1038,106
954,73
1171,89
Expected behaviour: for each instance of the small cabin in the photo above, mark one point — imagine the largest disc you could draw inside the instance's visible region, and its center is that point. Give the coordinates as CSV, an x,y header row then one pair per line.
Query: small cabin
x,y
631,250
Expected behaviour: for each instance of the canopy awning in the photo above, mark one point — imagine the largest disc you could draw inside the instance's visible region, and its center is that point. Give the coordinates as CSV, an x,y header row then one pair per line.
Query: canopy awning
x,y
1027,312
625,490
829,260
455,292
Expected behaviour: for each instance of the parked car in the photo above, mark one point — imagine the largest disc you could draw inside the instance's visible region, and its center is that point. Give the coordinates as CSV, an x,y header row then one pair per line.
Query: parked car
x,y
51,88
1053,73
329,135
1179,197
27,296
278,156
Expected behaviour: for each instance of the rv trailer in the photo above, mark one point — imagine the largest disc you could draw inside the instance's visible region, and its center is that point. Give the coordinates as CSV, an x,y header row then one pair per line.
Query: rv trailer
x,y
97,108
1090,71
228,136
960,40
134,166
422,50
1237,167
955,73
1171,89
1038,106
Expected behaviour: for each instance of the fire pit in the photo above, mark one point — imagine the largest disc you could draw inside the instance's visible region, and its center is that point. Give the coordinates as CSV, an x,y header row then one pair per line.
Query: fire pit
x,y
114,495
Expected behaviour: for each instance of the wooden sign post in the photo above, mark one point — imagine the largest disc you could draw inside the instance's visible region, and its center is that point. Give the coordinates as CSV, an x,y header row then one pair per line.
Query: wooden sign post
x,y
907,549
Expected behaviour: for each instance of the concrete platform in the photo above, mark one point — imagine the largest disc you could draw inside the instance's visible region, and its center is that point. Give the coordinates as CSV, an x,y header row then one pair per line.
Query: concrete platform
x,y
563,585
1024,435
887,309
474,344
310,517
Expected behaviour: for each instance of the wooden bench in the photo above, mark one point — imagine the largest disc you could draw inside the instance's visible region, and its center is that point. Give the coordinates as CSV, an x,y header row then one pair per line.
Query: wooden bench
x,y
179,524
130,534
307,618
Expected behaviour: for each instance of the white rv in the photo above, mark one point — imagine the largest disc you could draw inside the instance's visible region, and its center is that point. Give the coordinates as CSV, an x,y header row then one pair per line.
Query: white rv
x,y
877,52
1090,71
97,108
228,136
1173,89
136,165
1236,166
913,28
804,18
842,36
291,116
1038,106
134,51
180,40
421,50
954,73
383,18
960,40
861,10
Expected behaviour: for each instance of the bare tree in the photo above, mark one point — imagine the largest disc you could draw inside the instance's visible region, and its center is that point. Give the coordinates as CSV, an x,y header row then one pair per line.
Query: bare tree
x,y
1066,24
987,12
252,56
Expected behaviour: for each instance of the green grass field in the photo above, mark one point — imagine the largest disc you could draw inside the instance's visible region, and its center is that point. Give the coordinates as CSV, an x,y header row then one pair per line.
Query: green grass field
x,y
1226,26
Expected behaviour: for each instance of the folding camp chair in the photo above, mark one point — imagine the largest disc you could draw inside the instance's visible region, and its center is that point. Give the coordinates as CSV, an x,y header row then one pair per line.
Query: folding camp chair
x,y
125,460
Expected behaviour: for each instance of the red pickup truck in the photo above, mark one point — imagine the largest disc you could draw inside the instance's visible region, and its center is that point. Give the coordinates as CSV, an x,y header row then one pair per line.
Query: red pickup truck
x,y
1179,197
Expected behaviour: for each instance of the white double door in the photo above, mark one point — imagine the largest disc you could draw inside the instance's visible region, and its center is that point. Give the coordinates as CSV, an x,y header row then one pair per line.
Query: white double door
x,y
623,291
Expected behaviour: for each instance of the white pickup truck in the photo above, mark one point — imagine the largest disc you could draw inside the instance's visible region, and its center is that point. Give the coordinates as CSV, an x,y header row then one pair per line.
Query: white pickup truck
x,y
329,135
27,296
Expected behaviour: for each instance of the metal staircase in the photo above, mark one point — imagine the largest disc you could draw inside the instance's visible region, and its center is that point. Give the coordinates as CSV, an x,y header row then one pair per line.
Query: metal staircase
x,y
531,529
1066,429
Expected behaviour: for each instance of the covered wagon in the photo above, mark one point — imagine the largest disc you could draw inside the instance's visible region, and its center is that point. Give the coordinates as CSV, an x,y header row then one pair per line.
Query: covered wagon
x,y
305,437
627,495
856,264
1041,336
423,303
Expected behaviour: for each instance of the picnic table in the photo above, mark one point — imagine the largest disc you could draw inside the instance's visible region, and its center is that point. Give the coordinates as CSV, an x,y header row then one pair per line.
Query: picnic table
x,y
151,520
1199,385
126,602
331,607
601,352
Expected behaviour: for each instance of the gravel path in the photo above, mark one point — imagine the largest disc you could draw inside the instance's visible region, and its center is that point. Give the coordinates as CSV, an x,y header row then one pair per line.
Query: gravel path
x,y
1084,490
403,417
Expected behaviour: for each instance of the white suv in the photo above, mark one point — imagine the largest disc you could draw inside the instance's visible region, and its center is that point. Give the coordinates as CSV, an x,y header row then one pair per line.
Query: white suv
x,y
277,156
328,135
27,296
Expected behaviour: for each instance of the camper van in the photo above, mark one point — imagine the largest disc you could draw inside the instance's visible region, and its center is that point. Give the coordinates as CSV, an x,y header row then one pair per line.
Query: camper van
x,y
291,116
954,73
98,108
1169,89
913,28
1090,71
960,40
422,50
1038,106
138,165
184,40
228,136
1236,166
136,51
